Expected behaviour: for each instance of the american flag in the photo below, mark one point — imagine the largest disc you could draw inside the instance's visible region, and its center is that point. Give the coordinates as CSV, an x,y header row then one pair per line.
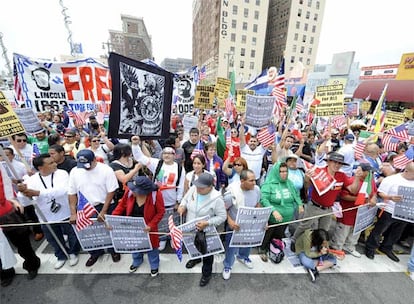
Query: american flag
x,y
202,73
36,151
403,160
176,238
400,132
84,212
359,149
279,89
390,142
267,135
198,149
338,121
78,118
299,105
17,87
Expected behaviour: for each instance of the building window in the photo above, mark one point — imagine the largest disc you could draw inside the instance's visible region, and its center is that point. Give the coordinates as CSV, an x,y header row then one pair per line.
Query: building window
x,y
246,1
302,50
315,18
252,53
296,37
251,65
311,40
307,15
297,25
242,64
233,37
254,28
313,28
299,12
304,38
308,61
294,48
309,3
243,39
254,40
234,9
233,23
301,59
257,2
244,26
310,51
232,49
256,15
305,27
246,12
292,59
242,52
317,4
300,1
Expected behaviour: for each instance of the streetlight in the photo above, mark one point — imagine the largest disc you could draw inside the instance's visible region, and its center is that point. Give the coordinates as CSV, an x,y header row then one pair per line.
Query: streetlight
x,y
230,61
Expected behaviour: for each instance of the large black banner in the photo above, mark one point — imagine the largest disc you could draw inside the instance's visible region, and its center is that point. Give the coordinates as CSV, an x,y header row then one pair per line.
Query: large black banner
x,y
141,99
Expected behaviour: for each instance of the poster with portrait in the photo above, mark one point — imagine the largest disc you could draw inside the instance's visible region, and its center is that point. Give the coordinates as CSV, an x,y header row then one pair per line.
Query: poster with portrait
x,y
183,94
141,99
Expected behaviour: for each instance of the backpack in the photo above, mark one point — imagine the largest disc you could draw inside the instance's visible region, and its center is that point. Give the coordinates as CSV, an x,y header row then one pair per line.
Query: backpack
x,y
276,253
157,170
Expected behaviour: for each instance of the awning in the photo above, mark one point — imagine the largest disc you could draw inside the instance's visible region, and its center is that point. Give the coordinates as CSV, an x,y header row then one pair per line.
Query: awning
x,y
398,90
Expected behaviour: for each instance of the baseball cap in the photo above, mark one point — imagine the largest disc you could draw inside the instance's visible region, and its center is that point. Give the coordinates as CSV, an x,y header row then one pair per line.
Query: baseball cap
x,y
204,180
349,137
85,158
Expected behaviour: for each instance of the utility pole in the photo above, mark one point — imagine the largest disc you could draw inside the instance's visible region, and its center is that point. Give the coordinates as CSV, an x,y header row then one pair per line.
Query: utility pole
x,y
6,58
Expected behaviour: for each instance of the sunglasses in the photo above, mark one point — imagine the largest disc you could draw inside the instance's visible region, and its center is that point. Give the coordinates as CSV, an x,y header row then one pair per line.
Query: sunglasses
x,y
21,140
238,165
96,140
69,136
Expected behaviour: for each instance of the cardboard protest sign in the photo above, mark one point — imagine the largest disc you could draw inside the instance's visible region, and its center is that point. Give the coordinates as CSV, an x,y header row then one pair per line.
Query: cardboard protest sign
x,y
183,93
259,110
204,97
29,120
393,119
364,218
321,180
351,108
221,90
9,122
331,100
241,99
128,235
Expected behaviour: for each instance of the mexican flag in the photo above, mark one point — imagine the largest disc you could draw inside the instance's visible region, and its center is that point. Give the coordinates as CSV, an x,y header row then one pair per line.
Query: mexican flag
x,y
365,190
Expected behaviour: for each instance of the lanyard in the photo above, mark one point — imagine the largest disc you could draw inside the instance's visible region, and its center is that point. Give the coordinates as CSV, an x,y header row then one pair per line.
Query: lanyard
x,y
43,182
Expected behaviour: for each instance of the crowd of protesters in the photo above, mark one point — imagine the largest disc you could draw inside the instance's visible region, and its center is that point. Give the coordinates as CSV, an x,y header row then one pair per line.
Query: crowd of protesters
x,y
209,169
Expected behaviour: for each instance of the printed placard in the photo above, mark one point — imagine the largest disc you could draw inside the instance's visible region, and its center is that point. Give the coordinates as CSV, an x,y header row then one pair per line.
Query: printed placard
x,y
9,122
252,222
241,99
93,237
128,234
404,210
221,90
204,97
29,120
364,218
332,100
259,110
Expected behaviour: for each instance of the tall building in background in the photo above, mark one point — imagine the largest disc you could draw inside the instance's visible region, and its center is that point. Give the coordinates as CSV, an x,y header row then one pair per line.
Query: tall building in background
x,y
293,30
229,35
176,65
133,41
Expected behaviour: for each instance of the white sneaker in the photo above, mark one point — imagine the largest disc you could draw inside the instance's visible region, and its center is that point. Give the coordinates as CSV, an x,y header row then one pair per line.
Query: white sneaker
x,y
411,275
59,264
162,245
247,262
73,259
353,252
226,273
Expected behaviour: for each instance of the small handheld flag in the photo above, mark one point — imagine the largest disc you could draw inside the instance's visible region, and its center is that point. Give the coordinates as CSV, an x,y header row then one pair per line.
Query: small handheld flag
x,y
84,212
176,238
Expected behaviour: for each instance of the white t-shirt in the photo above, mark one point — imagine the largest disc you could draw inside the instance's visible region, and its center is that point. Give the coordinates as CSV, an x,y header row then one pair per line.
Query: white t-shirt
x,y
254,158
94,184
389,186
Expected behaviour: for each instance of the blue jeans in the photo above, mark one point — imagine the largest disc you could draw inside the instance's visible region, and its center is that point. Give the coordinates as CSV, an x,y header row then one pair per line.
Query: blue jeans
x,y
60,230
411,261
310,263
153,258
242,252
99,252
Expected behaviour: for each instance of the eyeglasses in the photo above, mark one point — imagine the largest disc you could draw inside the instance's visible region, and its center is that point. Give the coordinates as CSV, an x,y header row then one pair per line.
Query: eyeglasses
x,y
69,136
21,140
95,140
238,165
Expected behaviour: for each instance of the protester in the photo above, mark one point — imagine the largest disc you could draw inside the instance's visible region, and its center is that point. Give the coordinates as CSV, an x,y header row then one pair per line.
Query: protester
x,y
139,201
214,165
201,200
199,165
233,170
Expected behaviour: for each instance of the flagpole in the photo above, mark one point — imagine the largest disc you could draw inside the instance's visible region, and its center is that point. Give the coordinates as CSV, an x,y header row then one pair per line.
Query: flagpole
x,y
378,106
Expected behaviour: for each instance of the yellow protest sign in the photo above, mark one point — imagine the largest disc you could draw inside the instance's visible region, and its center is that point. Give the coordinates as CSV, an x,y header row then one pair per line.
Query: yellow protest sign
x,y
331,100
204,97
365,106
393,119
222,89
409,113
9,122
241,99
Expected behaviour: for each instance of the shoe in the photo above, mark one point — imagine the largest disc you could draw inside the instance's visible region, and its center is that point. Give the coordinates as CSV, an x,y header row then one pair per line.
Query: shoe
x,y
292,246
369,254
32,274
226,273
353,252
133,268
38,236
246,261
154,272
59,264
389,254
73,259
116,257
311,275
6,282
92,260
264,257
204,280
162,245
191,263
410,275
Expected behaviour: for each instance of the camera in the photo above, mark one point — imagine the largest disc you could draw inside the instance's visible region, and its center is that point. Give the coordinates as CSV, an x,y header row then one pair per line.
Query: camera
x,y
54,207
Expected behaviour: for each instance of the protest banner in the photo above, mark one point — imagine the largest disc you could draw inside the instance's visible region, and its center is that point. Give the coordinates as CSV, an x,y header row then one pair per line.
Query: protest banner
x,y
364,218
29,120
259,110
214,244
127,234
393,119
221,90
331,100
142,97
93,237
204,97
79,84
9,122
351,108
183,93
404,210
252,222
241,99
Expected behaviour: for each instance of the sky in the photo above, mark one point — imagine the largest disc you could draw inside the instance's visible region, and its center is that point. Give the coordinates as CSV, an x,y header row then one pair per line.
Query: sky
x,y
379,31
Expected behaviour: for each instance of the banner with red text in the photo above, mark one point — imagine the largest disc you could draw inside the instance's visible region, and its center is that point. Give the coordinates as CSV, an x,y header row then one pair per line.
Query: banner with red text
x,y
82,85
